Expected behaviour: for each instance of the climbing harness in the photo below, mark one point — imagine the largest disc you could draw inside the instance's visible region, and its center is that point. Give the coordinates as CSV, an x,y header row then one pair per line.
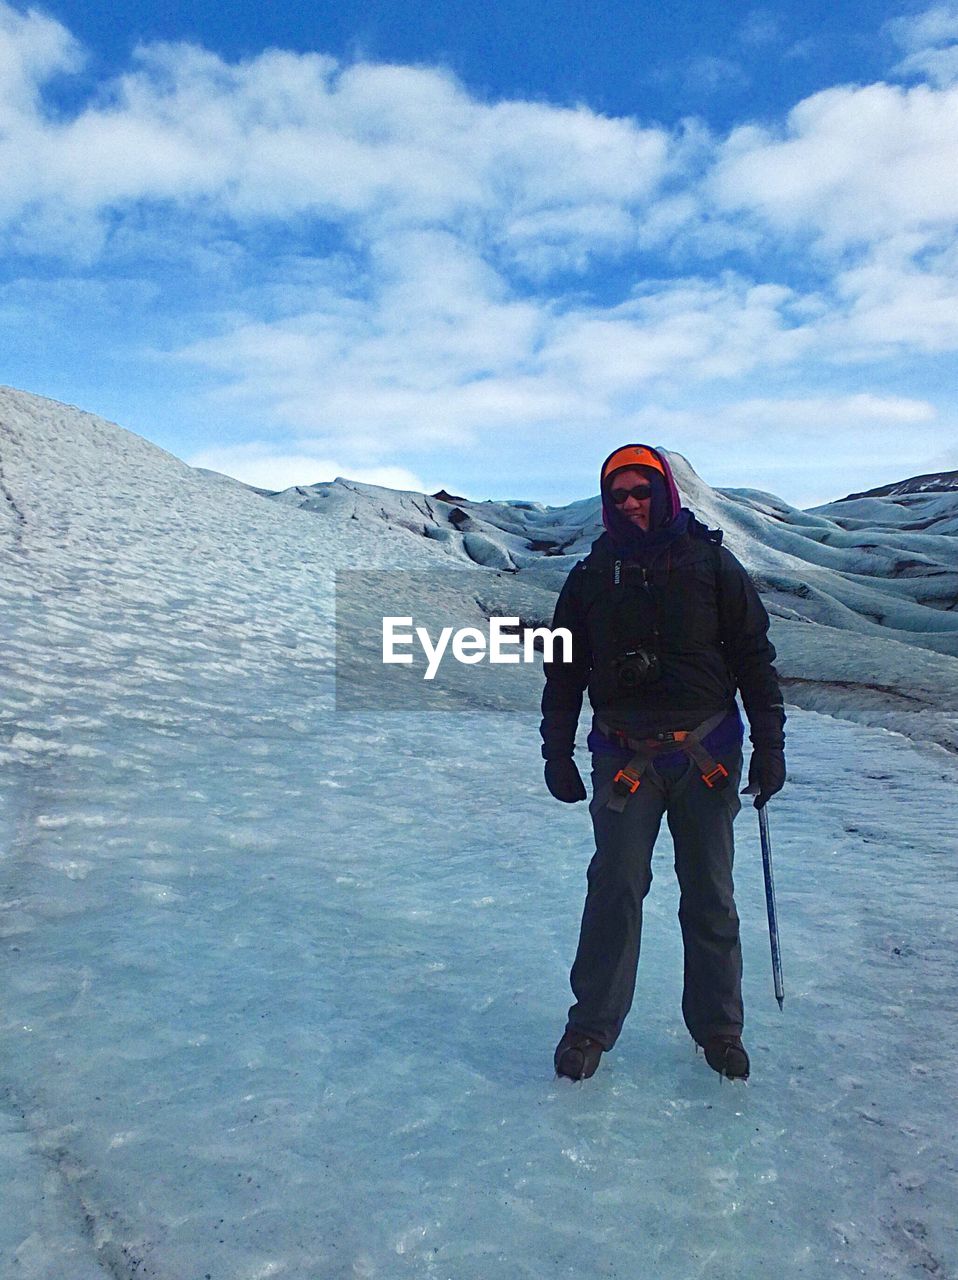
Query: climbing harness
x,y
629,778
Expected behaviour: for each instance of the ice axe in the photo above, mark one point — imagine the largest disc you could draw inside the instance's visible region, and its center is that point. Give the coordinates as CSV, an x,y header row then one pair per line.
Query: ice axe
x,y
770,899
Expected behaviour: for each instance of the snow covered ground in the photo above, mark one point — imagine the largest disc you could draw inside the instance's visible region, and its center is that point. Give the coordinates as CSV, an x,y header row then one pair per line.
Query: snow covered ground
x,y
281,982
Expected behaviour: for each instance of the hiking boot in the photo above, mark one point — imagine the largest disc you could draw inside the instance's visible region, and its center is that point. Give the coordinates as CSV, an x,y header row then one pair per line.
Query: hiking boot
x,y
577,1056
727,1056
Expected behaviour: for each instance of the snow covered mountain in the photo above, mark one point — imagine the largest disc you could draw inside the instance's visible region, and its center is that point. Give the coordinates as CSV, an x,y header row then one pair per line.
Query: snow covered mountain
x,y
848,586
934,482
282,978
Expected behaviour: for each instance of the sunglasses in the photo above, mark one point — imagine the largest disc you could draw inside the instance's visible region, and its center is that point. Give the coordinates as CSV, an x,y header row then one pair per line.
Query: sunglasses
x,y
640,492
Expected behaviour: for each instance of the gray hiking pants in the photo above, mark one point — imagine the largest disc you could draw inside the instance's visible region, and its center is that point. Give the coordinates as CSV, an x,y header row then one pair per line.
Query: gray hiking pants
x,y
619,876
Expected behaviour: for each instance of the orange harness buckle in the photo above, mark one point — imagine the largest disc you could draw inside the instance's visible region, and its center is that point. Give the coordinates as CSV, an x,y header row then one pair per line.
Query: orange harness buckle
x,y
719,771
626,781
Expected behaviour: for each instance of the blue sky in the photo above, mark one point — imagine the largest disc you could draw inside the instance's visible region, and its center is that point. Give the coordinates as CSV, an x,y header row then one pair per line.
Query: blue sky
x,y
479,245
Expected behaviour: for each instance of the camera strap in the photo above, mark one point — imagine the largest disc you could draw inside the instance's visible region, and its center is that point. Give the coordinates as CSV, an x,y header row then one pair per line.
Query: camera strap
x,y
639,577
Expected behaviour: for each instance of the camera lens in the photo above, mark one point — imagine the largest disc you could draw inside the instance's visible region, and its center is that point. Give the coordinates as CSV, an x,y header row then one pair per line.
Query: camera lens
x,y
635,668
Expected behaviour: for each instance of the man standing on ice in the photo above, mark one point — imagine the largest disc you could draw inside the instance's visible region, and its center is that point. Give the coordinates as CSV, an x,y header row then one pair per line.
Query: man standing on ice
x,y
666,626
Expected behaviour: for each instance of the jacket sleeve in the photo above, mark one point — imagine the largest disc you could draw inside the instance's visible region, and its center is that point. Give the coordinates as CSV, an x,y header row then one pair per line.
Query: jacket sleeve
x,y
750,654
565,681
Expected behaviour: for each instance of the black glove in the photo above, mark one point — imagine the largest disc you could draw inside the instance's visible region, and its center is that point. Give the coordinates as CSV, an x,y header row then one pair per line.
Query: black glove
x,y
563,779
766,774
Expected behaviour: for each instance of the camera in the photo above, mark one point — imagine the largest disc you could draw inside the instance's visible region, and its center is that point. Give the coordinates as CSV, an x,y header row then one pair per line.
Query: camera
x,y
637,667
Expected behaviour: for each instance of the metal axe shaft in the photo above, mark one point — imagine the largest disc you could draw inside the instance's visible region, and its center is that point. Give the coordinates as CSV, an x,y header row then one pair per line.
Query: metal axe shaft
x,y
770,906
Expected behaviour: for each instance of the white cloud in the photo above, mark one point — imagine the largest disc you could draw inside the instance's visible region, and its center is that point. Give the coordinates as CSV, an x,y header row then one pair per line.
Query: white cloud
x,y
438,352
569,238
709,74
940,66
687,330
761,27
851,166
282,135
901,295
830,414
441,357
33,49
804,49
791,422
935,26
866,176
930,42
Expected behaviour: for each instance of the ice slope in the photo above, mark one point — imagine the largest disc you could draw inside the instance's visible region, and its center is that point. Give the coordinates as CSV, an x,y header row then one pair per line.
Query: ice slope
x,y
864,611
281,984
878,572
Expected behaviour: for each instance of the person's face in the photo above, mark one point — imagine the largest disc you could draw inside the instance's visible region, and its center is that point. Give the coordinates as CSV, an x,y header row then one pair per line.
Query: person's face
x,y
636,510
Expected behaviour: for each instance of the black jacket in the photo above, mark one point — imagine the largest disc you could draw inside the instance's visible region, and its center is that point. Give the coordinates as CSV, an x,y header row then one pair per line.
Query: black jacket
x,y
693,605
